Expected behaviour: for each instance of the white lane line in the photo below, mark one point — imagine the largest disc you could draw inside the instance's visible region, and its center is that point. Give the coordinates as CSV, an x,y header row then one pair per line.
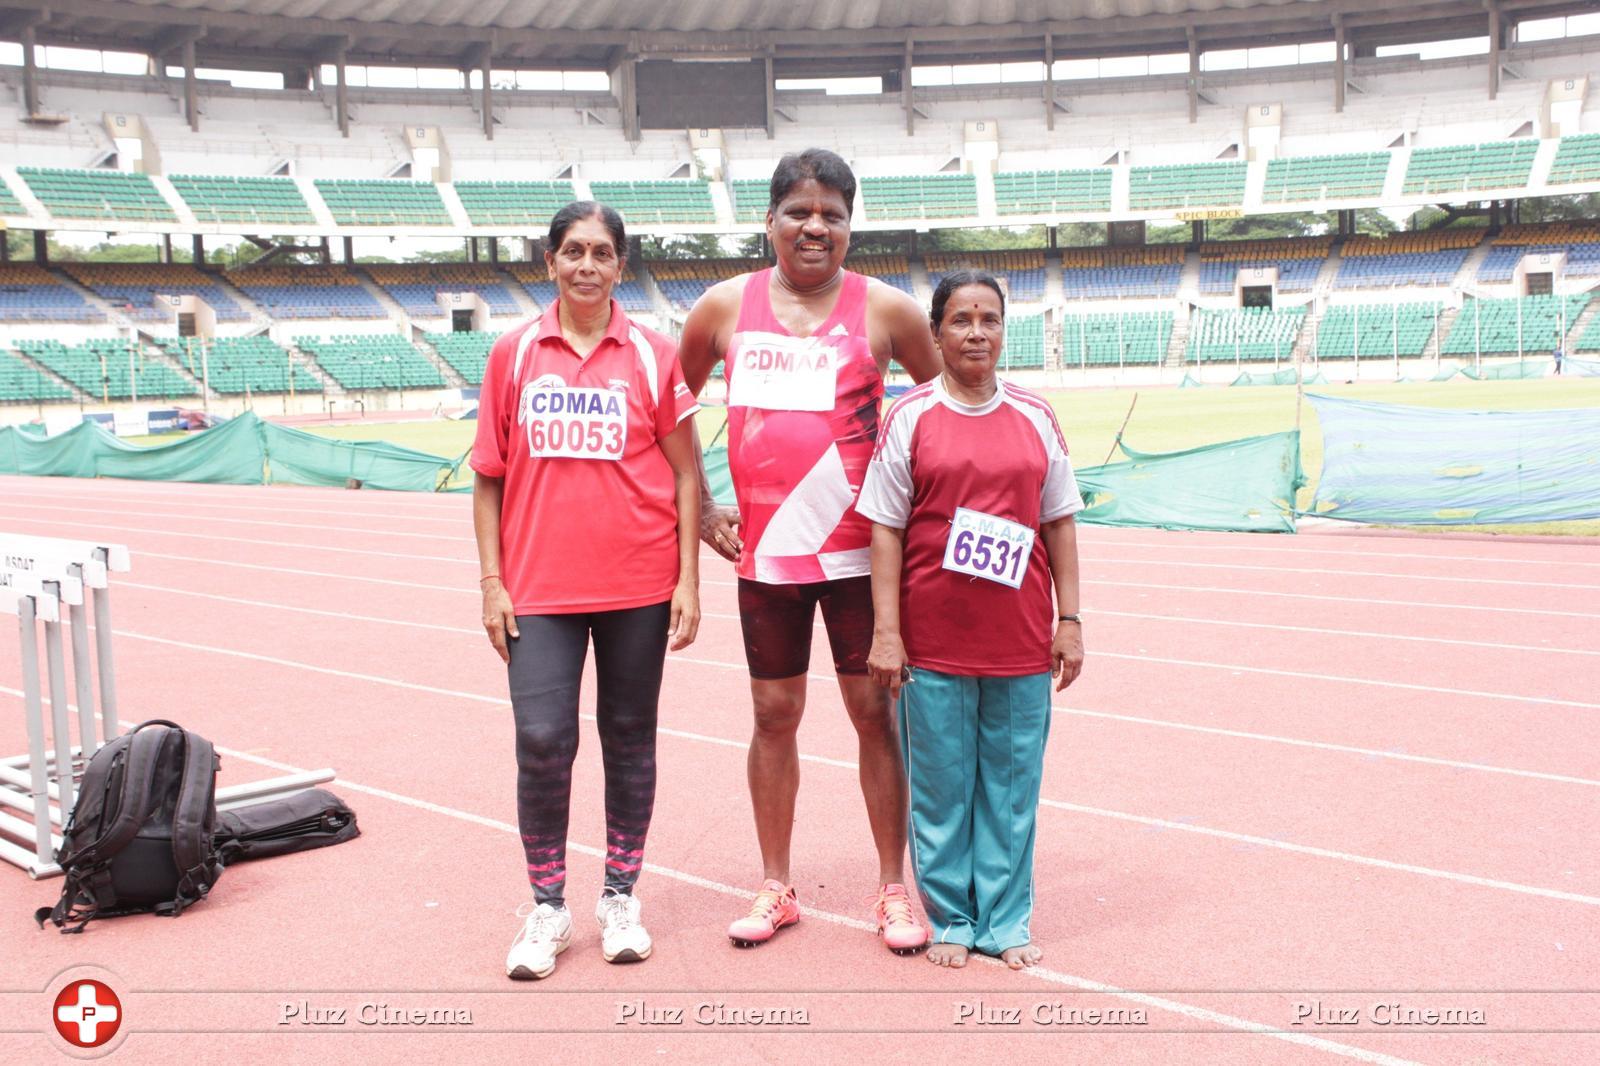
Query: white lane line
x,y
1058,708
1187,1010
1365,634
463,532
1401,576
1140,658
310,508
249,540
1277,545
1364,601
1342,679
1509,886
301,573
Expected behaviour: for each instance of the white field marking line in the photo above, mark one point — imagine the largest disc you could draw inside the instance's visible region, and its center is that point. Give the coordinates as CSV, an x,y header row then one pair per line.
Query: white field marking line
x,y
1441,690
1340,573
1326,853
87,488
1058,977
1341,632
301,573
1366,634
1453,764
1365,601
1264,548
308,506
249,540
719,615
463,533
1058,708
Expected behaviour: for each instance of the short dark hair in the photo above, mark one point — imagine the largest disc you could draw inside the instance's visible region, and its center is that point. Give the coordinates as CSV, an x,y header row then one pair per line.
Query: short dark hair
x,y
581,209
814,164
957,279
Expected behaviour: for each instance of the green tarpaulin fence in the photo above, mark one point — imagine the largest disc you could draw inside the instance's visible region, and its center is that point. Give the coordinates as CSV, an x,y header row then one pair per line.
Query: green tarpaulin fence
x,y
1510,371
242,451
1240,485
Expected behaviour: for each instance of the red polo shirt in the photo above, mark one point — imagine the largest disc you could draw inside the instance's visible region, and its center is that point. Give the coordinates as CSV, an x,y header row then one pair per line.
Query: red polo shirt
x,y
588,521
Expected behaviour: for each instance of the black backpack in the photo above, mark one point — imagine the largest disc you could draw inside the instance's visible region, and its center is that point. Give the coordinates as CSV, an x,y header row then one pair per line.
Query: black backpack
x,y
140,838
303,821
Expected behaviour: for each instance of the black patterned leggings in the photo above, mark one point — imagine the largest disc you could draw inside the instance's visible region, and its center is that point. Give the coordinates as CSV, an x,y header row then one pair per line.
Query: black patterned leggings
x,y
546,666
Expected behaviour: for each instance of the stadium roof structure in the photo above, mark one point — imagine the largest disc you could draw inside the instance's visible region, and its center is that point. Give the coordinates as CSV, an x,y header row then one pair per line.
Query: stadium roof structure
x,y
799,36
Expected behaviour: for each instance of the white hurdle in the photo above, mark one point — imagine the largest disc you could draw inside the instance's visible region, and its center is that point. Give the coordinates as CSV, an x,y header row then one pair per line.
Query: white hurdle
x,y
39,576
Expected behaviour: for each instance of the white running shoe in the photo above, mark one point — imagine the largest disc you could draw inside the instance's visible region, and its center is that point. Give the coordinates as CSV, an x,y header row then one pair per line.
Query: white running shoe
x,y
622,938
545,934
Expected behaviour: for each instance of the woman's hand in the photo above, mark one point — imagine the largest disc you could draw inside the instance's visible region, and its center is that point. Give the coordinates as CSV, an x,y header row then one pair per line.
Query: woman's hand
x,y
685,622
499,617
719,527
886,663
1066,653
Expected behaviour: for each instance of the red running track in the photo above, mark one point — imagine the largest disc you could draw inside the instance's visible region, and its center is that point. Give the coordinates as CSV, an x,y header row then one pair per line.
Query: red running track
x,y
1301,776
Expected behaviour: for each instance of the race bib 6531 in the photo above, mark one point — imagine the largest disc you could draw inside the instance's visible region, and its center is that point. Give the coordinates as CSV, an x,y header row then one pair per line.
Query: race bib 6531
x,y
574,423
987,546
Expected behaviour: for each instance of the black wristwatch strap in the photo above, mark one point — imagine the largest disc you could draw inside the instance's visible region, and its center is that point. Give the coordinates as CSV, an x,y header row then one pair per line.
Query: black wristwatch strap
x,y
1072,618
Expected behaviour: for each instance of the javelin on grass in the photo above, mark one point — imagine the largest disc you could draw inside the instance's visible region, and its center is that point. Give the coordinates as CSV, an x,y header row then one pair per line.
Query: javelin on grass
x,y
1118,438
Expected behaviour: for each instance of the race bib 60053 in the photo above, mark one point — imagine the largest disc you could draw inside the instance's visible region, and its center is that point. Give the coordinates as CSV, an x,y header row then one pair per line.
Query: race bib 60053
x,y
987,546
574,423
782,373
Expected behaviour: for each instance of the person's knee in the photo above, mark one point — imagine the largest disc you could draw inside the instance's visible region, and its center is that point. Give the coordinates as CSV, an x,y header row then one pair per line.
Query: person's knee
x,y
778,714
870,711
546,743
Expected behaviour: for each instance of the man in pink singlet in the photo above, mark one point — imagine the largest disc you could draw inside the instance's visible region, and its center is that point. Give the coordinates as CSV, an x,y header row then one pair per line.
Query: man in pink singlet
x,y
807,345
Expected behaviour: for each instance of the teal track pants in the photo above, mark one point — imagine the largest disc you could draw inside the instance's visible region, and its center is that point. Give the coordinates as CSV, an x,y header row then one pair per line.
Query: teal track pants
x,y
974,753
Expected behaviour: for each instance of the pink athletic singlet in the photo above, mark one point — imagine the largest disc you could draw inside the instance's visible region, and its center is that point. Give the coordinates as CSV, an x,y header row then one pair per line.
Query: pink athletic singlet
x,y
802,425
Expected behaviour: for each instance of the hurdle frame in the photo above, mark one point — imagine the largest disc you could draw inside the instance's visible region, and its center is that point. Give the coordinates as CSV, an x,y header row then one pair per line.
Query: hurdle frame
x,y
39,577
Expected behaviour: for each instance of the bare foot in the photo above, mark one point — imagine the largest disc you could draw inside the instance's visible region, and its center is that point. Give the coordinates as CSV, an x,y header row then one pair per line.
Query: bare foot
x,y
951,955
1019,957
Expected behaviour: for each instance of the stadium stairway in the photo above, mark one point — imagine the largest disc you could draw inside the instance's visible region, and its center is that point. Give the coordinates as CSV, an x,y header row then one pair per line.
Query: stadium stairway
x,y
114,317
920,282
180,206
1581,324
1467,276
390,305
79,395
1178,343
1447,321
453,206
1304,344
313,199
452,376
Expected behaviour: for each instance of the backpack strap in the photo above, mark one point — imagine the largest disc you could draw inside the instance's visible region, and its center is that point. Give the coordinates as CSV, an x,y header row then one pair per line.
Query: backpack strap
x,y
192,848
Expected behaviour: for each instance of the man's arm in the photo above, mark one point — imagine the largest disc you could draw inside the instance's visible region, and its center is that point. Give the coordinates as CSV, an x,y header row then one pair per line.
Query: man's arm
x,y
906,329
704,342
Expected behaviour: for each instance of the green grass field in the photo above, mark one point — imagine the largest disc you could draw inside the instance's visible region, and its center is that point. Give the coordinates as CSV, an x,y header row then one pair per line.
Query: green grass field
x,y
1164,419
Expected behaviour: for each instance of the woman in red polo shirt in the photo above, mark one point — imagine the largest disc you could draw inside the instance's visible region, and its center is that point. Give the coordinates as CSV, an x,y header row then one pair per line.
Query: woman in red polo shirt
x,y
586,507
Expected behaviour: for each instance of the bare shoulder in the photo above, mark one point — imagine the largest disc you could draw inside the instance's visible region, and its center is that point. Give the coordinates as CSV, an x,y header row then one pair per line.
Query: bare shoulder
x,y
723,297
892,306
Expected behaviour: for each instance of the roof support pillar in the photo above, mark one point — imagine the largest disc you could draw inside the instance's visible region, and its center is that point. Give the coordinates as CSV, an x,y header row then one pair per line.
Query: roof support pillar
x,y
1496,30
1049,81
1338,64
488,94
905,90
1194,76
30,73
772,96
191,90
341,94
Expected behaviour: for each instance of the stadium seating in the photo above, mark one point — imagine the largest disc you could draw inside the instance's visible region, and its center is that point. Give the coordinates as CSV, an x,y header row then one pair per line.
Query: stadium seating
x,y
263,201
750,197
683,281
1023,271
890,269
372,361
1527,324
1577,159
132,289
416,286
1024,347
1589,341
535,281
20,382
101,368
237,365
9,204
1129,338
1493,165
1432,257
307,292
1109,273
1187,185
1044,192
383,202
30,293
1302,179
465,350
514,203
1580,242
1247,334
921,196
1378,326
668,200
1298,262
109,194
